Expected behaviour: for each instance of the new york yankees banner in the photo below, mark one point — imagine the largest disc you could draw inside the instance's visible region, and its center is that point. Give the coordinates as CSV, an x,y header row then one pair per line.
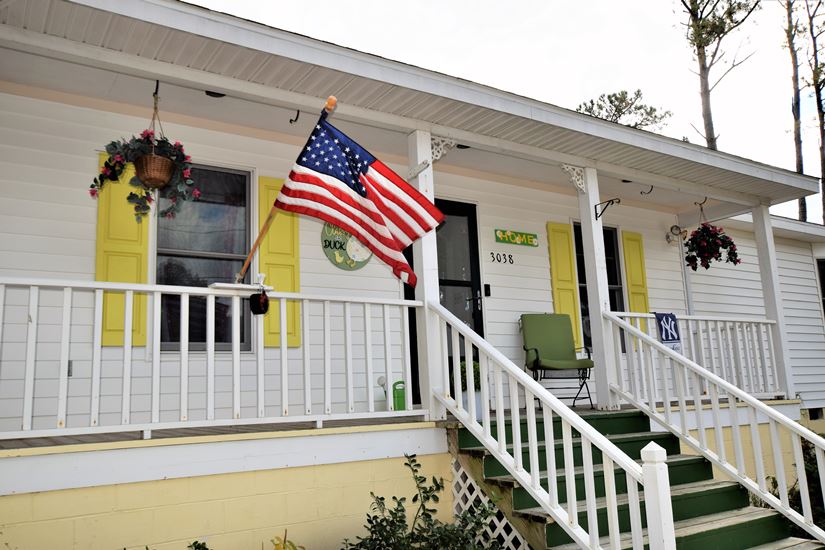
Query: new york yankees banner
x,y
668,329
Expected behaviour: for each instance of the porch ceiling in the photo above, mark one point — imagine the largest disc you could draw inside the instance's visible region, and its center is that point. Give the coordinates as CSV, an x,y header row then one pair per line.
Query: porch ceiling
x,y
248,60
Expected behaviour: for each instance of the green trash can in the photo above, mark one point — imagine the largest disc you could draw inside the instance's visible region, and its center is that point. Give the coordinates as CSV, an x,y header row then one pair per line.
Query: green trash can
x,y
399,396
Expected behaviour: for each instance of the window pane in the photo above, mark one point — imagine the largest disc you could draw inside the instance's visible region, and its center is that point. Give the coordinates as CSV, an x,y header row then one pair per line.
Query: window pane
x,y
216,222
453,238
175,270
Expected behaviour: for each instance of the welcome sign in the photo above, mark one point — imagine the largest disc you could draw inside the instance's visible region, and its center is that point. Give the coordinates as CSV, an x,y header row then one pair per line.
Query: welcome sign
x,y
508,236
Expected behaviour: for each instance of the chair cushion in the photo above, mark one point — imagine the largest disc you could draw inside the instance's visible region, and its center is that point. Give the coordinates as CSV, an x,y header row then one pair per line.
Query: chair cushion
x,y
561,364
551,334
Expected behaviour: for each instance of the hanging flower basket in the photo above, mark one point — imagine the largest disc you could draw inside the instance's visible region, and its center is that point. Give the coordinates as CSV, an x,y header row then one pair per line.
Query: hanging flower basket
x,y
159,164
707,244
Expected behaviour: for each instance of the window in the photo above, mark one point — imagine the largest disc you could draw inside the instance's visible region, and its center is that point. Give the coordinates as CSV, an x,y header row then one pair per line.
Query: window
x,y
205,243
614,275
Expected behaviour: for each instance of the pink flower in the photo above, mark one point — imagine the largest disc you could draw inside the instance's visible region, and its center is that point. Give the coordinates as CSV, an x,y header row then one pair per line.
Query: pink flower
x,y
118,158
149,199
105,171
93,192
196,193
147,134
170,215
173,200
178,145
187,173
187,158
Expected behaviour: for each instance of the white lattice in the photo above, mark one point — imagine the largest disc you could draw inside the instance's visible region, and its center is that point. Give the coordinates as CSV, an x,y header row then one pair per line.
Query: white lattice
x,y
467,494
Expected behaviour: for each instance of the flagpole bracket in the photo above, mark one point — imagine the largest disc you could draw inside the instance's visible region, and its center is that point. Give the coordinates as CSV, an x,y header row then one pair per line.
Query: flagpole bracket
x,y
414,172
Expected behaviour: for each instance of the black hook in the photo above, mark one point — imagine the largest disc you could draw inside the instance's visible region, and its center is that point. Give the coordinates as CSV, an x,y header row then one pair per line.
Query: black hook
x,y
297,116
701,204
647,192
157,85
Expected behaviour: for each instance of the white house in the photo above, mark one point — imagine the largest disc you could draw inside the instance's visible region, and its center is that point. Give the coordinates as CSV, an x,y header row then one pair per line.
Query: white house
x,y
139,405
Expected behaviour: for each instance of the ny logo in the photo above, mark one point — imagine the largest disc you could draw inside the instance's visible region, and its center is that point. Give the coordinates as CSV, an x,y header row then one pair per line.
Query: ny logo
x,y
669,329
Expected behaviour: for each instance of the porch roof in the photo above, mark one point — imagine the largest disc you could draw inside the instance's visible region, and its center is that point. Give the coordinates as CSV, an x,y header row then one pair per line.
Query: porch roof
x,y
250,61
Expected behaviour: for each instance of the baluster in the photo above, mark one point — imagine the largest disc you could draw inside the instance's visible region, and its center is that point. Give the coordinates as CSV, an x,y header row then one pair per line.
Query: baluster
x,y
697,410
550,454
590,492
613,527
681,392
801,477
2,314
757,449
260,370
737,435
751,368
632,367
778,463
348,356
184,357
501,428
328,363
651,377
644,390
31,352
307,345
94,412
156,315
483,367
283,340
691,340
617,354
210,353
761,382
720,345
368,355
65,345
768,387
405,342
126,391
737,357
635,512
700,337
666,388
445,370
459,404
515,421
820,466
717,421
236,357
469,379
569,473
532,440
769,328
388,357
712,350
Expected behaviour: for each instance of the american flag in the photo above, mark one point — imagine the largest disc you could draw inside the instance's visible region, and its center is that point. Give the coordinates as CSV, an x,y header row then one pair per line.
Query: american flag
x,y
338,181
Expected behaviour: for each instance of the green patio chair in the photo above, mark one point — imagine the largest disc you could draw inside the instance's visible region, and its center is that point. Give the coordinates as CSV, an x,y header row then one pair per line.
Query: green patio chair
x,y
551,351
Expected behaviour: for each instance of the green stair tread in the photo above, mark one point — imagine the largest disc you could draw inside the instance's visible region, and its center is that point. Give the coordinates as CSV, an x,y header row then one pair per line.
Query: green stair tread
x,y
695,487
698,526
614,438
578,470
790,543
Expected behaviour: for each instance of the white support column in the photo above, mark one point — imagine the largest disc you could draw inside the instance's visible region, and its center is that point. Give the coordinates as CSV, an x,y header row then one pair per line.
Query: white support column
x,y
425,261
598,296
769,272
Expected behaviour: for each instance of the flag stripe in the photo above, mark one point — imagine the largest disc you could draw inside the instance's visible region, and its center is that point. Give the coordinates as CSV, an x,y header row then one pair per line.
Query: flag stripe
x,y
410,194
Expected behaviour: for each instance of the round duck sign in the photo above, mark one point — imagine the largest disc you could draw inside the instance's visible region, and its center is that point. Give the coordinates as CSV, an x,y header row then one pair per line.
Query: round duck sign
x,y
343,250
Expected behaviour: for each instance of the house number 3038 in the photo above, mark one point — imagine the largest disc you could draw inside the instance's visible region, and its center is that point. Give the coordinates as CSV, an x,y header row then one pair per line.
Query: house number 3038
x,y
498,258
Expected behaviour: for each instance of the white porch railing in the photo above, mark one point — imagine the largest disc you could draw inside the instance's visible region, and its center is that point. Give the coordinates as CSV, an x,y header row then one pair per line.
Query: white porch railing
x,y
58,378
672,380
735,349
512,392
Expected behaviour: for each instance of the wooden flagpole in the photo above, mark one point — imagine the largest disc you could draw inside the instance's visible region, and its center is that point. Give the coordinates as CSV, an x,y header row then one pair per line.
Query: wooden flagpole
x,y
328,107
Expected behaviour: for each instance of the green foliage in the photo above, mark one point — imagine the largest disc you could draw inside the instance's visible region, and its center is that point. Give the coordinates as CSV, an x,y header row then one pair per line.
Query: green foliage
x,y
388,528
198,545
284,543
476,376
709,21
623,108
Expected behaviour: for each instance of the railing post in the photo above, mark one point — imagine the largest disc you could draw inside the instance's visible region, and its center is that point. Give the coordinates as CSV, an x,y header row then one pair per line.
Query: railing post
x,y
658,508
425,262
598,295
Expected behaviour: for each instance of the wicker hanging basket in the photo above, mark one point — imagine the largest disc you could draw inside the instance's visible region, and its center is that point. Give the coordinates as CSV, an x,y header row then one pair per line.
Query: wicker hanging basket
x,y
154,171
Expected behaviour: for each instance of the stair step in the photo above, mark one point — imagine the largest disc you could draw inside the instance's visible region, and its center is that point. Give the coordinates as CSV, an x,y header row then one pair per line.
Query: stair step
x,y
681,469
732,530
689,500
790,543
630,443
606,422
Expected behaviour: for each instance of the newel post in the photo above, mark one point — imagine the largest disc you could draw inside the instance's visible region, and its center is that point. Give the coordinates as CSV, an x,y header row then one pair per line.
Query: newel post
x,y
425,262
658,507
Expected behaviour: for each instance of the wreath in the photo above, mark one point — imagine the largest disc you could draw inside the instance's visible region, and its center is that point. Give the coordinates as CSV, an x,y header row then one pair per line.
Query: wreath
x,y
707,244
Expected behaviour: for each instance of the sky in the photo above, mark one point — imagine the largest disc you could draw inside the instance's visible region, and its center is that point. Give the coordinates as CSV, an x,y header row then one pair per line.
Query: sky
x,y
567,52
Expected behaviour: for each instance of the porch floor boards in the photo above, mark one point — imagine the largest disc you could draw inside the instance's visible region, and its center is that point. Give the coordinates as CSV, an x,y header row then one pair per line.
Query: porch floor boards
x,y
57,441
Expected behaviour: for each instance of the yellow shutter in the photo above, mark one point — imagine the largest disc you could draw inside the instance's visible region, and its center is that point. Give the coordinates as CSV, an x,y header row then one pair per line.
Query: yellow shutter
x,y
635,276
122,255
278,260
563,274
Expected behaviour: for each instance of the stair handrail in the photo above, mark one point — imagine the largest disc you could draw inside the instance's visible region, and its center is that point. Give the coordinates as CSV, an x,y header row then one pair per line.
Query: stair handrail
x,y
652,476
718,456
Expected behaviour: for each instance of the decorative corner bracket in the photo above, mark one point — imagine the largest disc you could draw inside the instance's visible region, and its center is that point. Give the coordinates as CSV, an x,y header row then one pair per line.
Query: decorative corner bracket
x,y
604,206
440,146
576,174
